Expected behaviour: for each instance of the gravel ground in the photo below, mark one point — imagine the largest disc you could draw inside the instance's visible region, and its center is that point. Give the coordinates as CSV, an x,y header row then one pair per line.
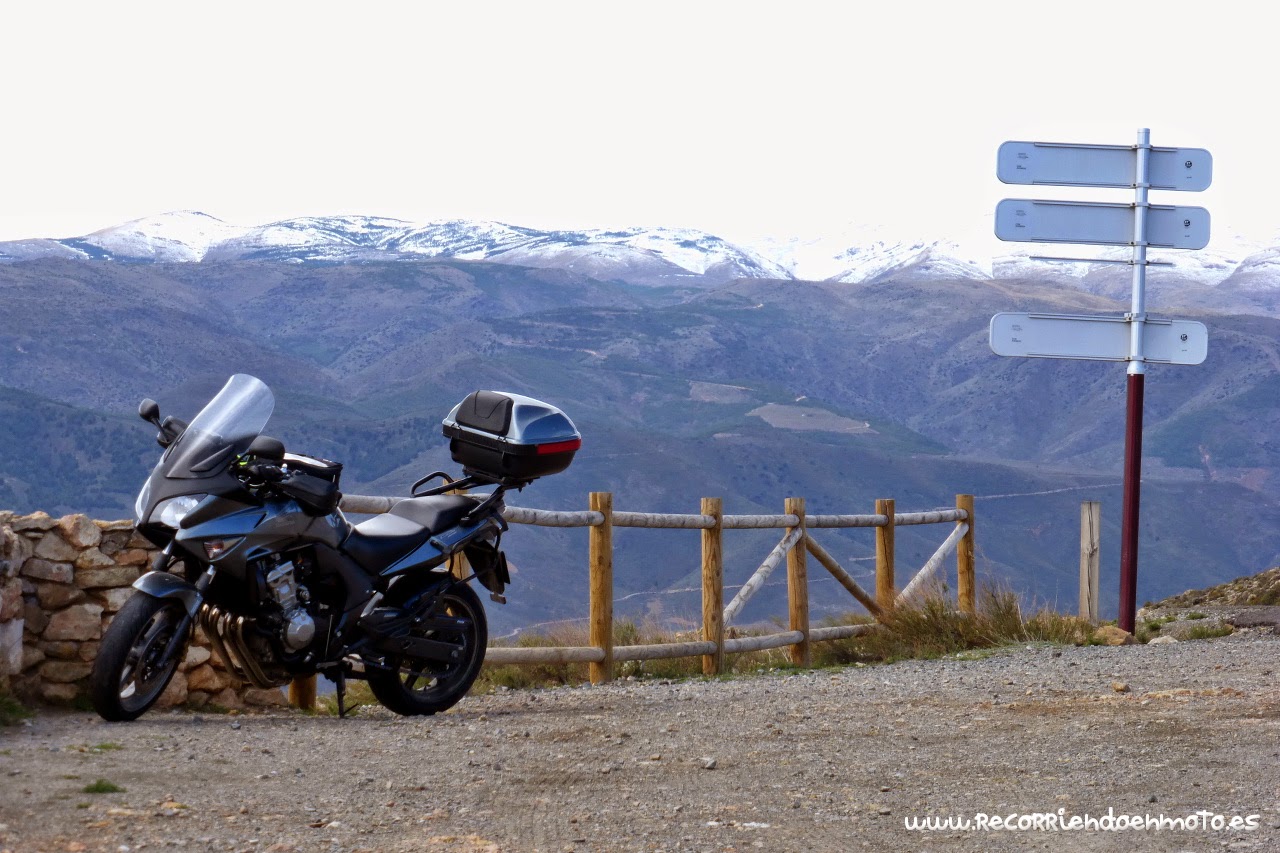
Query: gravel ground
x,y
824,760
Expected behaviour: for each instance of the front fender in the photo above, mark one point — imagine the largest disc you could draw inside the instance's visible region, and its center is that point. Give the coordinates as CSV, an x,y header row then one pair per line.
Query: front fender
x,y
165,585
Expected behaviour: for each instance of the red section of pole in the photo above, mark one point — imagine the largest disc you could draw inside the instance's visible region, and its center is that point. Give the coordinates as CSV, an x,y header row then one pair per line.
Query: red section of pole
x,y
1132,488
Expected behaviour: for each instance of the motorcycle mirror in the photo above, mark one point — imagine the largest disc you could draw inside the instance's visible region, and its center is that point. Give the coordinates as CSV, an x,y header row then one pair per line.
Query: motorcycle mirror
x,y
149,410
266,447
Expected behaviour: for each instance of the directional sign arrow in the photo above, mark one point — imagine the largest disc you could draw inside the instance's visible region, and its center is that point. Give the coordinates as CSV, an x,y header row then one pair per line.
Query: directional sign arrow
x,y
1065,164
1168,227
1096,338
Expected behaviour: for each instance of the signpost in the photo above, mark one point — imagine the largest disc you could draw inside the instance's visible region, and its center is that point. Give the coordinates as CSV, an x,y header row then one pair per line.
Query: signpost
x,y
1069,165
1025,219
1096,338
1134,338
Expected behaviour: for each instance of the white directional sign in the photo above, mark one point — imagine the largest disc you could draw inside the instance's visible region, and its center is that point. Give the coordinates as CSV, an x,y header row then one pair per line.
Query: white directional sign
x,y
1066,164
1168,227
1096,338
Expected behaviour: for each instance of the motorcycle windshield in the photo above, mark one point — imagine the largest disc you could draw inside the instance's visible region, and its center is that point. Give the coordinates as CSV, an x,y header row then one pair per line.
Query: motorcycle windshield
x,y
223,429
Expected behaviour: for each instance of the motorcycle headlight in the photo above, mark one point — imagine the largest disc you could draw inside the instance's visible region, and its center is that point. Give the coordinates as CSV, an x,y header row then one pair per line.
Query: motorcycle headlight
x,y
171,512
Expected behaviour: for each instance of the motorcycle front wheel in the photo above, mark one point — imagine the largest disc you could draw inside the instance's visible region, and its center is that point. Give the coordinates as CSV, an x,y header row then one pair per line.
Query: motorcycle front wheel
x,y
133,668
411,686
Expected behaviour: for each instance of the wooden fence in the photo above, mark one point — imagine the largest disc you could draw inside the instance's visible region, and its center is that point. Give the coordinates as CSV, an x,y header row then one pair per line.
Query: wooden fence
x,y
796,545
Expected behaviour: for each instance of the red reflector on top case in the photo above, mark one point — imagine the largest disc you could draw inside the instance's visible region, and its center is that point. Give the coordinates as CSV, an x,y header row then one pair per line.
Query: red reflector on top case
x,y
559,446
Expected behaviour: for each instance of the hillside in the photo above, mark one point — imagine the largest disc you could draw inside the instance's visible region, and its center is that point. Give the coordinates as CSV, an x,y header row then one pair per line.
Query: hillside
x,y
680,392
1261,589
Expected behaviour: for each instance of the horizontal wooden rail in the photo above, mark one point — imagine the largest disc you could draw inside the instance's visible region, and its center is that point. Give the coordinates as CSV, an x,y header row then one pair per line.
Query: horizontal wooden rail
x,y
497,656
655,651
375,504
544,654
367,504
766,641
841,632
759,522
663,520
845,520
549,518
933,517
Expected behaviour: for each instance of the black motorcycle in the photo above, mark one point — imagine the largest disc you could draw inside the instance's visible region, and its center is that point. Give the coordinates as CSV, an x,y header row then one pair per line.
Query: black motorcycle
x,y
255,550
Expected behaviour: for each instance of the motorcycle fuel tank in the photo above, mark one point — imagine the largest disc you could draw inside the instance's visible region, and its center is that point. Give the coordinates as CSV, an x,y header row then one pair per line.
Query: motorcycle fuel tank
x,y
230,535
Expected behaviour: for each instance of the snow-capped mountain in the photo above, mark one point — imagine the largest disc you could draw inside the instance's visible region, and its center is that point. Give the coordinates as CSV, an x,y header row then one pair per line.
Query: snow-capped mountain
x,y
860,253
181,237
648,255
853,254
628,254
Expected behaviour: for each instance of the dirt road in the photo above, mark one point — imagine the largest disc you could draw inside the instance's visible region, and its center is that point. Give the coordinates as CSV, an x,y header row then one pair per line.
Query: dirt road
x,y
825,760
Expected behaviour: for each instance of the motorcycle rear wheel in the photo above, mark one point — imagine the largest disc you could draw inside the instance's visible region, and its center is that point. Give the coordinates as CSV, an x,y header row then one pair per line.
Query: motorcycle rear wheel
x,y
414,687
128,676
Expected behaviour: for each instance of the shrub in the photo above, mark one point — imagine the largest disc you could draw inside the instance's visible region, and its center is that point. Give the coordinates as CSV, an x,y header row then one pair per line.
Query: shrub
x,y
102,786
1208,632
12,711
932,627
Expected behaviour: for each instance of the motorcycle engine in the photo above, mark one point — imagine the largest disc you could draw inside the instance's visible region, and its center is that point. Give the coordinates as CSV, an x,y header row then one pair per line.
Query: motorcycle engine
x,y
299,628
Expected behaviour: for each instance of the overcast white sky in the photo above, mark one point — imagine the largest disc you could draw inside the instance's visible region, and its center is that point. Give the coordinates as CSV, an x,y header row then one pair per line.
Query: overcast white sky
x,y
739,118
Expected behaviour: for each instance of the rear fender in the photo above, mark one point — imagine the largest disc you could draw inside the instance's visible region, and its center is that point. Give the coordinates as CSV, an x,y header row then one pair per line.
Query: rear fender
x,y
436,550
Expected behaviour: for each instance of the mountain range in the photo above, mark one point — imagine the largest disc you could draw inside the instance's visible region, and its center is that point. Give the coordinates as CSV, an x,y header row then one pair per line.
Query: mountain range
x,y
1231,265
693,366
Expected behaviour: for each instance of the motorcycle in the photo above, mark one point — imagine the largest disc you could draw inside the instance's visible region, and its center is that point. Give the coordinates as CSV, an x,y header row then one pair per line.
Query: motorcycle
x,y
255,550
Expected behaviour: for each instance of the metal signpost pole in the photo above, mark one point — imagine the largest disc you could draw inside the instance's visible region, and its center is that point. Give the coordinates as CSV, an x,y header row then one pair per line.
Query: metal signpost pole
x,y
1137,376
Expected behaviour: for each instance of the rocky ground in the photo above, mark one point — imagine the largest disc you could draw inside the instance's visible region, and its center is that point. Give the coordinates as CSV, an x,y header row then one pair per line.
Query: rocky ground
x,y
823,760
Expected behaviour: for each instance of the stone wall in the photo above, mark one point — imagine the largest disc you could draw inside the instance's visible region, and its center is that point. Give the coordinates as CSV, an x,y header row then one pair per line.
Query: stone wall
x,y
62,580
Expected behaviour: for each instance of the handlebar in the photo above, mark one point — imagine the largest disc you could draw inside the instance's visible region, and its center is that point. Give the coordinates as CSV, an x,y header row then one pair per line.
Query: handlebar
x,y
265,472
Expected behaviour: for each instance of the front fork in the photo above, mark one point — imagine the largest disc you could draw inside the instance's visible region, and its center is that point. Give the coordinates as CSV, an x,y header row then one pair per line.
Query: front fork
x,y
159,583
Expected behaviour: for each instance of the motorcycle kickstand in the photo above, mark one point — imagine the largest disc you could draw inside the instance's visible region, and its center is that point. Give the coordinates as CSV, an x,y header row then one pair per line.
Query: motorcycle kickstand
x,y
341,687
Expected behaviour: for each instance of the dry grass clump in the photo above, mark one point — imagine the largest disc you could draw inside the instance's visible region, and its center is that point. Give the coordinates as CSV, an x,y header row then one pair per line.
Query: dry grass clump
x,y
933,627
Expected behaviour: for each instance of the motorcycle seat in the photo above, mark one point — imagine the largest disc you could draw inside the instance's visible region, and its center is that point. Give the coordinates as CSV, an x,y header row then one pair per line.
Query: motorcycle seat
x,y
437,513
385,538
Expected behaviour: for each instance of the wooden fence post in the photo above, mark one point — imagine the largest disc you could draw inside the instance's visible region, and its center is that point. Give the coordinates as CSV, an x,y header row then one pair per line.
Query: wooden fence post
x,y
965,581
713,586
1090,557
302,692
886,592
601,606
798,587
